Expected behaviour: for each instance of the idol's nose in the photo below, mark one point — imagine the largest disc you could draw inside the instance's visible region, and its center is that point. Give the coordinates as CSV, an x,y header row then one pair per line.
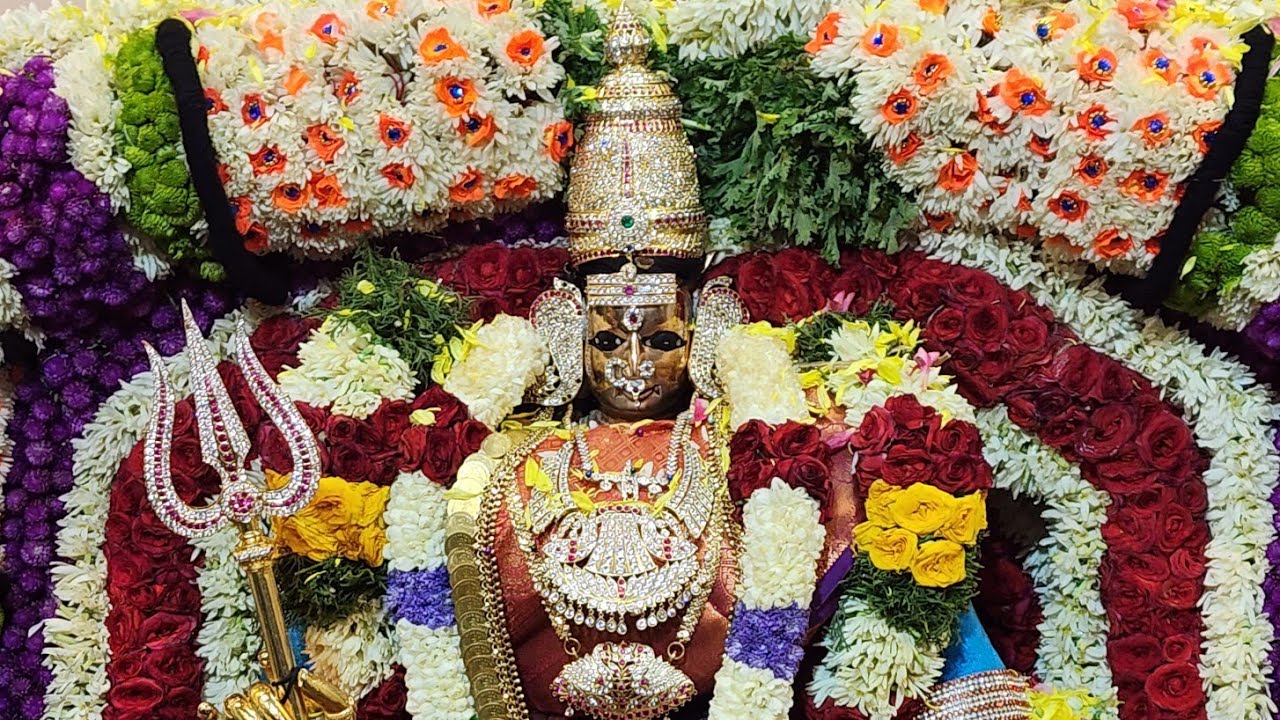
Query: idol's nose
x,y
633,354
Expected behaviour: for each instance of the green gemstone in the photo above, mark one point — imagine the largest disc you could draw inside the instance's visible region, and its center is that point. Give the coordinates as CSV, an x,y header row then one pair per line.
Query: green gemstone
x,y
628,222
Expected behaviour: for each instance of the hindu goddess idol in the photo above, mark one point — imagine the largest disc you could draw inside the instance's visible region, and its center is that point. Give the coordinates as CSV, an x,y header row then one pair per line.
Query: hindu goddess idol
x,y
603,564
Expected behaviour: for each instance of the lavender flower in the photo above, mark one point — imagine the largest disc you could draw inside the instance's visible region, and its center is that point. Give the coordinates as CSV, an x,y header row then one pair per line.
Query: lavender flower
x,y
768,639
422,597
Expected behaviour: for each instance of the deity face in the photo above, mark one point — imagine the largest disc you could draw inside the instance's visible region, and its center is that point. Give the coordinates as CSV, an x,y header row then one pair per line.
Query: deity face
x,y
637,359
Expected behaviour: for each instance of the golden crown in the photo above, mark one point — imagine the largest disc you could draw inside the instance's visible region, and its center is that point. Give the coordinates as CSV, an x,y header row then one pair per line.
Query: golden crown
x,y
633,184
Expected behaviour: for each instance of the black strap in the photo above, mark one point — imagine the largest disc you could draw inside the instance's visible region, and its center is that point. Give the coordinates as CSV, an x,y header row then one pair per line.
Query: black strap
x,y
247,272
1202,189
288,682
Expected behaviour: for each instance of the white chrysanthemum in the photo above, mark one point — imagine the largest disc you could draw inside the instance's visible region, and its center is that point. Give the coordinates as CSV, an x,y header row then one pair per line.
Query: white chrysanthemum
x,y
853,342
782,539
228,641
760,381
357,652
12,313
1259,284
871,667
728,28
746,692
491,380
434,675
415,516
343,368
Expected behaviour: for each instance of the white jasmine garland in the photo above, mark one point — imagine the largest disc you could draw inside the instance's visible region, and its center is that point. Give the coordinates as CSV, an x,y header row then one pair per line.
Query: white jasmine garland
x,y
759,378
356,653
781,541
1230,416
870,666
84,80
746,692
507,357
345,369
415,515
228,639
1259,284
1065,564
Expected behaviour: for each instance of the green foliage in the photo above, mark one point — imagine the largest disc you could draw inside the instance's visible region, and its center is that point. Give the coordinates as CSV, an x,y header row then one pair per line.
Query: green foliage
x,y
581,32
320,593
930,615
813,332
163,202
1216,264
780,156
1251,225
388,298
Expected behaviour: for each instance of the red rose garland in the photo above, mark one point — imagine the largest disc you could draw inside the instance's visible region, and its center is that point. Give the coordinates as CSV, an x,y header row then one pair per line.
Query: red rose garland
x,y
794,452
905,443
500,279
1090,408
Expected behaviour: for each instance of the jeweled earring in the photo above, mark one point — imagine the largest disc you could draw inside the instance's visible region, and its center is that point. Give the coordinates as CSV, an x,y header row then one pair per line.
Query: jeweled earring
x,y
560,317
718,309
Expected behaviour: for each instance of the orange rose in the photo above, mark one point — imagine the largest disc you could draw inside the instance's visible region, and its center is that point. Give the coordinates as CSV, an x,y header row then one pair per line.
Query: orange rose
x,y
242,211
959,172
328,191
1023,93
1159,63
1204,79
1140,15
1205,133
347,88
525,48
290,197
399,176
378,9
827,32
1155,129
1111,244
1068,206
329,28
254,110
937,7
468,189
514,186
1144,185
489,8
325,141
476,130
392,132
1094,120
1098,66
213,103
558,138
904,150
438,46
296,80
991,22
255,238
900,107
1091,170
267,161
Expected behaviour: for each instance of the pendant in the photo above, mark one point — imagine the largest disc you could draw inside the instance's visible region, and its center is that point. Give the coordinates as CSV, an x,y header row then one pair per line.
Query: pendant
x,y
622,681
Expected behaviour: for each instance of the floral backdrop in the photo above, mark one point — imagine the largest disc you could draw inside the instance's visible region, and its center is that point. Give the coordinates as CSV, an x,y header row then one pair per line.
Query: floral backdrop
x,y
1071,201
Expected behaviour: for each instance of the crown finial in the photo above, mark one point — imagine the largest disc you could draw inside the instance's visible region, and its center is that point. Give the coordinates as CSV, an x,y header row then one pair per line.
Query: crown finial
x,y
628,40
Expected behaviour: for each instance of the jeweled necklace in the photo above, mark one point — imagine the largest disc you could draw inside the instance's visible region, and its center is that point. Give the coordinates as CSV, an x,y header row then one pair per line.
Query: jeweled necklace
x,y
630,559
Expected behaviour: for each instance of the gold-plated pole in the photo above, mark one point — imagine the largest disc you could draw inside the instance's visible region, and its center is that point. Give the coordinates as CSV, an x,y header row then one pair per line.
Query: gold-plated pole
x,y
257,559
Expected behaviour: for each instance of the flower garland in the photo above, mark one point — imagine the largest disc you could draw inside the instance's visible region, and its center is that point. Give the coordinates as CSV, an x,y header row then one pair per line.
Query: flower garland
x,y
706,28
782,540
1231,417
344,369
1068,125
355,653
753,363
324,142
500,279
498,363
421,602
1065,563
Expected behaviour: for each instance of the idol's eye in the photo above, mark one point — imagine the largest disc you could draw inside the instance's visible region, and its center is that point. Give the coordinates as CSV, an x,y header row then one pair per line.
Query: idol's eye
x,y
605,341
665,341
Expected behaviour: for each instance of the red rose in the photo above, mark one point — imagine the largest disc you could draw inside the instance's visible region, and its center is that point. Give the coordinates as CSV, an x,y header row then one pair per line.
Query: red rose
x,y
758,286
387,701
916,295
150,536
523,271
1175,687
273,449
1176,527
351,463
390,420
180,703
793,439
945,325
314,417
1028,335
179,596
1123,474
447,408
1164,441
908,413
135,697
470,435
1180,648
242,398
165,630
859,283
987,326
975,287
412,448
1078,369
125,665
875,433
1180,593
904,466
442,457
1124,597
343,430
1148,567
808,473
963,474
1129,532
753,440
276,341
172,667
954,438
1061,431
551,263
1109,428
1134,657
747,476
1187,563
485,267
1193,496
486,308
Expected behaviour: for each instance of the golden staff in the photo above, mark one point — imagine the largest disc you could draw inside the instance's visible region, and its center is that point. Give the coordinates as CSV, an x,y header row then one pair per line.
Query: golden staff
x,y
290,692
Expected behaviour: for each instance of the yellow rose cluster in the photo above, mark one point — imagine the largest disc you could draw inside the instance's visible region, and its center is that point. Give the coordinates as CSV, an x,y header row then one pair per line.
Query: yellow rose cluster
x,y
1063,705
920,529
344,520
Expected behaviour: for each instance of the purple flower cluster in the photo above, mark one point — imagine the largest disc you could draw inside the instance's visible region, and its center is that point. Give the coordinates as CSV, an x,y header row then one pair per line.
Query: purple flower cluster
x,y
76,275
422,597
1264,331
768,639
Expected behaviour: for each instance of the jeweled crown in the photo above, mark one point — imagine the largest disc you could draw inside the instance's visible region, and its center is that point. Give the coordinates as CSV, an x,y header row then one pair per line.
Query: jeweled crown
x,y
633,184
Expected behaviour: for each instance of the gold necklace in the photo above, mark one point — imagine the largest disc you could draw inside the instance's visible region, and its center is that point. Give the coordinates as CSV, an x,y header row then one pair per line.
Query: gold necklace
x,y
623,680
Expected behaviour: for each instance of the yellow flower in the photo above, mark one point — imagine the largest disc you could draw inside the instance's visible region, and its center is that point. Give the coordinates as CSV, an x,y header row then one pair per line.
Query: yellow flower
x,y
1060,705
922,508
763,329
894,549
969,519
344,520
866,533
424,417
879,500
939,564
365,287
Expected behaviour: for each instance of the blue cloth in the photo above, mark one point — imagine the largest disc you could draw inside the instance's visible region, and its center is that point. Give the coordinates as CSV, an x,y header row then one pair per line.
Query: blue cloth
x,y
295,639
971,651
